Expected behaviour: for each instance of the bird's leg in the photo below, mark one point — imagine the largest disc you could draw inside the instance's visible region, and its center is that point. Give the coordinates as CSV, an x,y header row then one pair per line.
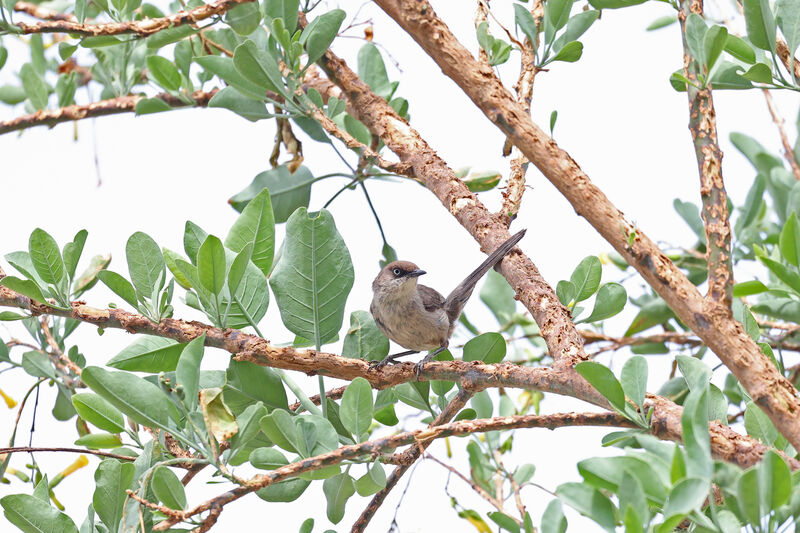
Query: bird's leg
x,y
418,366
390,359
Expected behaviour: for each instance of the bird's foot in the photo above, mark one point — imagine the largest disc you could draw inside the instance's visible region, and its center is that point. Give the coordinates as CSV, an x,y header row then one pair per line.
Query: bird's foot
x,y
418,367
389,359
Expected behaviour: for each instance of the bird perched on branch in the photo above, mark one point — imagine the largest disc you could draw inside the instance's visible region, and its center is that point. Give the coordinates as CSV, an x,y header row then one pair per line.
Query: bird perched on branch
x,y
417,317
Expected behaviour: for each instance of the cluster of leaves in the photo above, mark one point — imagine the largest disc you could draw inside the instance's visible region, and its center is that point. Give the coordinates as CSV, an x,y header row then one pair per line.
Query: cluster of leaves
x,y
751,60
658,485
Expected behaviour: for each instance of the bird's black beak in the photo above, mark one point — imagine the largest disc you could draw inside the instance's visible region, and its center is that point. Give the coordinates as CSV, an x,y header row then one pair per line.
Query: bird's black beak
x,y
416,273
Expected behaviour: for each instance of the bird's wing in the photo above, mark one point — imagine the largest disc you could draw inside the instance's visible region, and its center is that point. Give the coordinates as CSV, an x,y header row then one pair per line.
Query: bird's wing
x,y
431,299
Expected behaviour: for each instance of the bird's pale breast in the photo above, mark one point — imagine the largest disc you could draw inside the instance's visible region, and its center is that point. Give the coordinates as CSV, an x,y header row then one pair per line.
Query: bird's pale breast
x,y
410,325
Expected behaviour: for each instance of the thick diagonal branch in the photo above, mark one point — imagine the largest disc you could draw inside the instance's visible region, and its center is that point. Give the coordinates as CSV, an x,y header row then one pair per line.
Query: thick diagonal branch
x,y
703,126
112,106
142,28
708,319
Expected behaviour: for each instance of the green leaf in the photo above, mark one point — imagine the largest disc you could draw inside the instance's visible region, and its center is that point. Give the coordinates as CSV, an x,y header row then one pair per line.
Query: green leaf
x,y
789,276
687,495
602,379
569,53
356,410
740,49
526,22
285,10
239,267
248,383
566,292
287,191
696,373
313,276
364,340
691,215
489,348
145,264
98,412
586,277
696,440
168,488
747,496
748,288
614,4
11,94
224,68
498,296
141,400
662,22
589,502
46,257
32,515
245,18
211,268
373,481
258,66
98,441
787,15
713,44
761,29
285,491
35,87
319,35
610,300
758,424
25,287
759,73
120,286
187,373
556,13
255,225
790,240
695,36
337,490
233,99
553,519
148,354
634,379
112,478
371,68
775,481
38,365
249,436
72,252
4,56
280,428
164,72
504,521
267,458
414,394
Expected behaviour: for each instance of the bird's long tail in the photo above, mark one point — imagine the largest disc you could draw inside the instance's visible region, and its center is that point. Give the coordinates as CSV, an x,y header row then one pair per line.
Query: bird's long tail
x,y
456,300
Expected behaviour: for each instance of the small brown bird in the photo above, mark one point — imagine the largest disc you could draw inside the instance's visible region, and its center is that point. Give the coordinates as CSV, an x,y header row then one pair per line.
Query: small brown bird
x,y
418,317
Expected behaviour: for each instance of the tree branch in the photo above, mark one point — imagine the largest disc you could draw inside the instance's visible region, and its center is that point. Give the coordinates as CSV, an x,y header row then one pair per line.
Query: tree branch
x,y
112,106
709,320
33,449
420,436
726,444
142,28
703,126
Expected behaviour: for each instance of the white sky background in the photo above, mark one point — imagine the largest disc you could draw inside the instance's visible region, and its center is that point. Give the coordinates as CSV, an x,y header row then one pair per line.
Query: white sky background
x,y
618,117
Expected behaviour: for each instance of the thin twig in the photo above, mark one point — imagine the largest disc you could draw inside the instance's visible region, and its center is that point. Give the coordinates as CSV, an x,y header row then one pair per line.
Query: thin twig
x,y
31,449
142,28
112,106
788,152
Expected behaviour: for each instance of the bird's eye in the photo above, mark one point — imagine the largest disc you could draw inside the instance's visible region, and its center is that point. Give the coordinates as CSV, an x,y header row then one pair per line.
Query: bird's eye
x,y
396,271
